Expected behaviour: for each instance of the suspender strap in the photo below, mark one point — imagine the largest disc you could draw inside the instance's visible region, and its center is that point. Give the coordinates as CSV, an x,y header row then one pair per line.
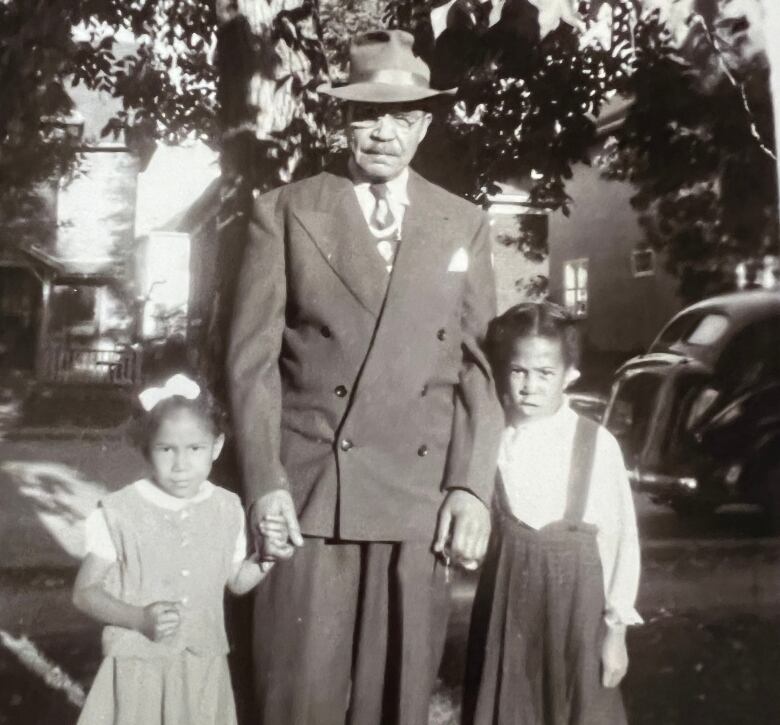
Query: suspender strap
x,y
500,498
581,467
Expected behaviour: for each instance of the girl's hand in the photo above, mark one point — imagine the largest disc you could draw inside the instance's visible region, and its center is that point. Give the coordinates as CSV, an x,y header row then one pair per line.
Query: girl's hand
x,y
160,620
614,657
275,538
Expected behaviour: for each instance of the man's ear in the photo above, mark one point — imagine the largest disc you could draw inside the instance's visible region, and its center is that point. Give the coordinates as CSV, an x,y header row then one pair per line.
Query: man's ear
x,y
426,122
571,376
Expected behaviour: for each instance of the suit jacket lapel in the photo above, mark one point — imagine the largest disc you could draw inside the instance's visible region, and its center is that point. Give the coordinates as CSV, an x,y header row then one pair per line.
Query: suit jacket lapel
x,y
422,252
337,227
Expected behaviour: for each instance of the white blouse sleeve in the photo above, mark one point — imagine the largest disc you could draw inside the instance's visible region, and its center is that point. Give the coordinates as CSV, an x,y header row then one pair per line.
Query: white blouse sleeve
x,y
97,538
240,551
619,536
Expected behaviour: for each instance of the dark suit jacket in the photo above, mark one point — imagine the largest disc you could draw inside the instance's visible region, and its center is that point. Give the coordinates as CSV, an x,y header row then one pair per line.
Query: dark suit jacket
x,y
365,400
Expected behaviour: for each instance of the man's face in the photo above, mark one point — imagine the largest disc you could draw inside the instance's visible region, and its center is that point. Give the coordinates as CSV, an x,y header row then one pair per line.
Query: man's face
x,y
384,137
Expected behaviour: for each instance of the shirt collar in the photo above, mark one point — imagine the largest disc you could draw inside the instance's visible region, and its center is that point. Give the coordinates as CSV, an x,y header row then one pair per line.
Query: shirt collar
x,y
397,186
154,494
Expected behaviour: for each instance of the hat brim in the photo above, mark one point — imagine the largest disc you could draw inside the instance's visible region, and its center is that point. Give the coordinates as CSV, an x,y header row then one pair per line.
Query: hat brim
x,y
372,92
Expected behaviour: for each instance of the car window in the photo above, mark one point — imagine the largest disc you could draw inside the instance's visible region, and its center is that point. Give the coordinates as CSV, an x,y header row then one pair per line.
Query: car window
x,y
632,410
752,356
676,330
708,331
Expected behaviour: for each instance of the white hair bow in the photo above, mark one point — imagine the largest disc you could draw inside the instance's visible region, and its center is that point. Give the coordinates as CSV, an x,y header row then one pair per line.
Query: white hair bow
x,y
176,385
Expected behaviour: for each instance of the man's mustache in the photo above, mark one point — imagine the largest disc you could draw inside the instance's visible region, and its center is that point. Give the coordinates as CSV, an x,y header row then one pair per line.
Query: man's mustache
x,y
388,150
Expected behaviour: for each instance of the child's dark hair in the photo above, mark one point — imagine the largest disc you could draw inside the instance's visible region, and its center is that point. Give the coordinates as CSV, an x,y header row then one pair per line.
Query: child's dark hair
x,y
529,319
205,406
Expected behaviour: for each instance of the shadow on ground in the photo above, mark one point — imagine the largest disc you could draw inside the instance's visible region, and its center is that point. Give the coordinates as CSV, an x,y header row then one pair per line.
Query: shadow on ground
x,y
720,669
26,406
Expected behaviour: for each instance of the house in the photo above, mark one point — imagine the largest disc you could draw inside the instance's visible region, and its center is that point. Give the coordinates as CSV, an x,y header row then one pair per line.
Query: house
x,y
65,312
102,262
602,271
519,277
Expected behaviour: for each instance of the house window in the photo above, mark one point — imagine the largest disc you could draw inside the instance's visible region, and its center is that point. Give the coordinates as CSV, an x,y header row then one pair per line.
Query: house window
x,y
575,286
643,262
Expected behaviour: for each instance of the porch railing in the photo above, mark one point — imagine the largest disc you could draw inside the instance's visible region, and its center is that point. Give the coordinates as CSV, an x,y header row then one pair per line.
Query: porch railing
x,y
79,365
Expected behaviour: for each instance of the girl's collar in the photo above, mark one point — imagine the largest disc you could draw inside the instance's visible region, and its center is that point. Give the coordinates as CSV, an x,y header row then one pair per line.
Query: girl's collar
x,y
154,494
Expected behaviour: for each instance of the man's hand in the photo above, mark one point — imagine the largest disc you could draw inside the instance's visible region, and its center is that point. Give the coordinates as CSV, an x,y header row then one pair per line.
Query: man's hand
x,y
614,657
276,505
464,525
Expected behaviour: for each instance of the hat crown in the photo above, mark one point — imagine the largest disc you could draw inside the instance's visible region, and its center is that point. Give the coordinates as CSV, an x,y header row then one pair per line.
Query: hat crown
x,y
385,50
383,68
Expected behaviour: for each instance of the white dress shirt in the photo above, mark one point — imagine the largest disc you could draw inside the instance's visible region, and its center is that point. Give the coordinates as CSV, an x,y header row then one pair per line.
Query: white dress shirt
x,y
98,538
397,200
534,461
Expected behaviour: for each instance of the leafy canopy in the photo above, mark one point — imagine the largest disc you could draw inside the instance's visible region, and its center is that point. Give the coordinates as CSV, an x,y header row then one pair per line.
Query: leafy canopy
x,y
696,143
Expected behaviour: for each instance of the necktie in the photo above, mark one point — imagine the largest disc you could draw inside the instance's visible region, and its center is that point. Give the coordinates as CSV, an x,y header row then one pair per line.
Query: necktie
x,y
383,225
382,219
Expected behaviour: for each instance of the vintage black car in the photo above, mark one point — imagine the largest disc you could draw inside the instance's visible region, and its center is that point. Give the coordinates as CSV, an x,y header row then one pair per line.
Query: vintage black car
x,y
698,415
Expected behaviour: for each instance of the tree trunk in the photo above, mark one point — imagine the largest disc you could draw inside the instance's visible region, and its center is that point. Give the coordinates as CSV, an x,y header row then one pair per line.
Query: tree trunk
x,y
269,62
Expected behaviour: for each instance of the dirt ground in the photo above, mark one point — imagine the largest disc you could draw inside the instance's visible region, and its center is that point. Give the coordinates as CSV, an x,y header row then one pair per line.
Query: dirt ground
x,y
686,669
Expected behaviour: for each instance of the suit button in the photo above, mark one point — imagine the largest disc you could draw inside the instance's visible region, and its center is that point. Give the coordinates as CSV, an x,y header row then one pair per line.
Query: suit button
x,y
422,451
346,444
341,391
325,331
424,390
442,334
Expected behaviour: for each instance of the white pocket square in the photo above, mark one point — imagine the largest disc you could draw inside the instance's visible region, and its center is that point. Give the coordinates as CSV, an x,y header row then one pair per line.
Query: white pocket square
x,y
459,261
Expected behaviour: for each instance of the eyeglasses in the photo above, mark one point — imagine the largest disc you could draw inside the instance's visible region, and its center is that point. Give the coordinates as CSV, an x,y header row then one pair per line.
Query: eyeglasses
x,y
366,116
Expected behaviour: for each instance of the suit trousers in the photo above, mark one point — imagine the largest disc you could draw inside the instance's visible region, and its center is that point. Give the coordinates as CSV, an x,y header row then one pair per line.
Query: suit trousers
x,y
350,634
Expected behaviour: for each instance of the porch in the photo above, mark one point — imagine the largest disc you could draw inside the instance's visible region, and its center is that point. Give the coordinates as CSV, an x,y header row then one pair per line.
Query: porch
x,y
65,363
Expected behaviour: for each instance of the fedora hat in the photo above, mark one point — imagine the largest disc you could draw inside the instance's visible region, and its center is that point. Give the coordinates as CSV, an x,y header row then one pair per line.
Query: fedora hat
x,y
383,68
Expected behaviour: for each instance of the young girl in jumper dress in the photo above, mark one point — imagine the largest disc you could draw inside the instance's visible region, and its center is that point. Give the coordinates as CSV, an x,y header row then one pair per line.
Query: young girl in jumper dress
x,y
159,555
548,635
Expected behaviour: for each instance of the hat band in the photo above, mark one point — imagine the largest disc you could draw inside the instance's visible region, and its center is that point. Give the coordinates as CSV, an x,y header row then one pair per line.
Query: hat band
x,y
390,77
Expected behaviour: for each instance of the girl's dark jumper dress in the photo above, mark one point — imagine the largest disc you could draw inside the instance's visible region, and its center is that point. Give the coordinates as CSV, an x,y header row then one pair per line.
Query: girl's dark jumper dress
x,y
538,621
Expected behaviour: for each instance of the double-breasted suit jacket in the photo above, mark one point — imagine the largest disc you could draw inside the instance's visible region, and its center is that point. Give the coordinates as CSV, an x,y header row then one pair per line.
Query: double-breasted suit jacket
x,y
366,395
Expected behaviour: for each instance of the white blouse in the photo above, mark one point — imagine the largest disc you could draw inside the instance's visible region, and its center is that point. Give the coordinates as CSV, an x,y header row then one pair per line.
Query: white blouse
x,y
534,461
98,538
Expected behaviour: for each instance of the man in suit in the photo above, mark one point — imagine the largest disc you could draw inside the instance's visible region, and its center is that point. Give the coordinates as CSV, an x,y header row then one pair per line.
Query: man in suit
x,y
364,409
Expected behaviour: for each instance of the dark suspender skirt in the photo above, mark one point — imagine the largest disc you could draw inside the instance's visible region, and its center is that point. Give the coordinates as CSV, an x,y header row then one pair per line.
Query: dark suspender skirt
x,y
538,620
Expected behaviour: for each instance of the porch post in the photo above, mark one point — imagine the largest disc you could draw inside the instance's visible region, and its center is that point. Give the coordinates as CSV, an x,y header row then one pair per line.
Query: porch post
x,y
41,344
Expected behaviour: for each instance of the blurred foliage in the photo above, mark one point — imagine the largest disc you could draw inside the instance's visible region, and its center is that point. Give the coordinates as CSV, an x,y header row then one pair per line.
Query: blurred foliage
x,y
163,60
526,106
697,145
527,101
166,84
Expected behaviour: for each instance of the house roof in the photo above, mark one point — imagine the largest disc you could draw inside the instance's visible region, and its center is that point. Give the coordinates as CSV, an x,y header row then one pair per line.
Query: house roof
x,y
61,270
